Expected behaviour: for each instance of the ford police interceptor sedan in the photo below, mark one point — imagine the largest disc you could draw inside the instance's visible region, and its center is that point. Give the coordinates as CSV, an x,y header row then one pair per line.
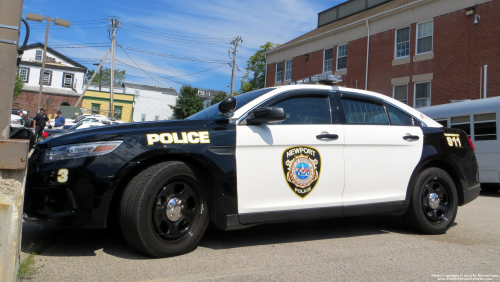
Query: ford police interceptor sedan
x,y
294,152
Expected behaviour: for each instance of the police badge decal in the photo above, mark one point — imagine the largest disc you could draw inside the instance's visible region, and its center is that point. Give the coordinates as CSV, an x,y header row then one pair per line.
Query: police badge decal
x,y
301,166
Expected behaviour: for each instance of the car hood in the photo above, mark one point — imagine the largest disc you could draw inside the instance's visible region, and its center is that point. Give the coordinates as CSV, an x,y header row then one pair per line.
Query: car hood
x,y
120,131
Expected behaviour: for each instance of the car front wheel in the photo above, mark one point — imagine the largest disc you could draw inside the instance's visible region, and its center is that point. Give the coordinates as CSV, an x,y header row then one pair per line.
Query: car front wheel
x,y
433,203
162,212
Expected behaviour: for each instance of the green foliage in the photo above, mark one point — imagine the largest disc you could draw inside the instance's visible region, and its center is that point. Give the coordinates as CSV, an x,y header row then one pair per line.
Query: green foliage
x,y
219,97
254,78
18,86
120,76
188,103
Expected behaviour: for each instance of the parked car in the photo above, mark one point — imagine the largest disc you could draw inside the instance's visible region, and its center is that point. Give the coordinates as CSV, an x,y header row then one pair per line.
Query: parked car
x,y
23,115
16,121
285,153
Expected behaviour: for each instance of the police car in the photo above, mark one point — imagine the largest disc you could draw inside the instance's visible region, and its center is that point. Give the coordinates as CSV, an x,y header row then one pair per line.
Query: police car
x,y
304,151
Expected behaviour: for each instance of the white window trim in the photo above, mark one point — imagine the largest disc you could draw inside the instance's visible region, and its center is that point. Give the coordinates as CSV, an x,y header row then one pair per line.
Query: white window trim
x,y
284,78
415,93
337,58
416,37
276,73
324,56
394,91
41,59
396,42
27,74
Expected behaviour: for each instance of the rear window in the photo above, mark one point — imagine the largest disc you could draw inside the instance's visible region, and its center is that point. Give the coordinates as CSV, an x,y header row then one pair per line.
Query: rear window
x,y
359,111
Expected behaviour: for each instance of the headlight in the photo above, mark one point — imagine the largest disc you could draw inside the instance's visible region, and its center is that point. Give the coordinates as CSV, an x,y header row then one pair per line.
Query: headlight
x,y
81,150
15,121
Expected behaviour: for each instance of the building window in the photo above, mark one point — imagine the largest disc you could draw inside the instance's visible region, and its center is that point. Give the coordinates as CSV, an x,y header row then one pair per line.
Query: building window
x,y
118,112
279,71
462,123
328,60
24,74
38,56
157,117
401,93
68,80
143,117
288,70
47,77
422,94
424,37
485,127
208,93
341,57
201,92
96,108
403,42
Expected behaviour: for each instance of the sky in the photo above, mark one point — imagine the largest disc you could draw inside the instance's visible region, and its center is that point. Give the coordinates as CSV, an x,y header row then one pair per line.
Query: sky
x,y
171,43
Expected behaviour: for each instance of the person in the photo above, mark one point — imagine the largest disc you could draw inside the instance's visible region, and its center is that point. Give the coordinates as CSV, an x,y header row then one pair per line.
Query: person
x,y
39,123
59,121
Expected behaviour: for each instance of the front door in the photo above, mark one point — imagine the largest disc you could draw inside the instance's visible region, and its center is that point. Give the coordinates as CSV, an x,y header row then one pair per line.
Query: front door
x,y
294,164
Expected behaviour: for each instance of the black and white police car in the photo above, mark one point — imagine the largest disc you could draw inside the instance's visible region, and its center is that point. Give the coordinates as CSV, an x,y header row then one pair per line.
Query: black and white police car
x,y
304,151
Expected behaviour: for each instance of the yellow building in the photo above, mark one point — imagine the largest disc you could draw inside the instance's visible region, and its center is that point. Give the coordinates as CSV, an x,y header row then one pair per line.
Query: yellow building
x,y
97,102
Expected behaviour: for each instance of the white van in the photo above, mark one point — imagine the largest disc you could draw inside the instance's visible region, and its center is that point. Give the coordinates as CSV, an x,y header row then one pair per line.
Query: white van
x,y
479,118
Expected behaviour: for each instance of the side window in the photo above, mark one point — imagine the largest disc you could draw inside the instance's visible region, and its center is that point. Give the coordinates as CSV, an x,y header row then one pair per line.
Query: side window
x,y
305,110
359,111
397,117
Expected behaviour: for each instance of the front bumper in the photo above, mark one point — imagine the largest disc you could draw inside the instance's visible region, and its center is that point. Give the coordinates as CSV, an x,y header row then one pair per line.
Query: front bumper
x,y
82,200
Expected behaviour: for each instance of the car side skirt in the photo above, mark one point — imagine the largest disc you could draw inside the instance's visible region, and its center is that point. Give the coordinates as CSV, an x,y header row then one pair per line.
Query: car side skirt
x,y
393,207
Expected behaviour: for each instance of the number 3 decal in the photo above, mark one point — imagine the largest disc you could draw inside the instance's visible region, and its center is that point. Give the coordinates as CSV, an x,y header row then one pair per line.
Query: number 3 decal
x,y
62,175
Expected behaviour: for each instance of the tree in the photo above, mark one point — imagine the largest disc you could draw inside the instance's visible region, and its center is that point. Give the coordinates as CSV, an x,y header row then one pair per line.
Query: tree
x,y
120,76
219,97
254,78
18,86
188,103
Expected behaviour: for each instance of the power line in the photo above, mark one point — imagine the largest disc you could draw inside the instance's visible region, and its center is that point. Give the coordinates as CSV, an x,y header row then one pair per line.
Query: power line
x,y
138,65
176,39
173,56
177,35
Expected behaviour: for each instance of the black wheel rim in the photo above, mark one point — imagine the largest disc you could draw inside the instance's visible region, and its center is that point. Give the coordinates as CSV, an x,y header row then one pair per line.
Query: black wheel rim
x,y
175,211
436,200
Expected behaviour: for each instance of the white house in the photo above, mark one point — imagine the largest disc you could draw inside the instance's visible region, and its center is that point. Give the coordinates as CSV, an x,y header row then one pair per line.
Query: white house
x,y
63,79
206,96
151,102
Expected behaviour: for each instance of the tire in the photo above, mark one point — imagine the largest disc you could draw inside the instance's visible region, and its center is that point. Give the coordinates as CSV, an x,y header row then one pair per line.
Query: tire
x,y
428,214
168,189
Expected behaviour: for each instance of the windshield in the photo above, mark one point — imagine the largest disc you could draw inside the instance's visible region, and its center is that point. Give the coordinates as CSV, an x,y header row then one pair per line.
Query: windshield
x,y
75,126
241,100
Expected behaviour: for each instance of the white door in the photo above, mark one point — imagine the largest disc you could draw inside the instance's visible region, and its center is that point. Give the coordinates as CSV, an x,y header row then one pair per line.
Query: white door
x,y
380,152
288,165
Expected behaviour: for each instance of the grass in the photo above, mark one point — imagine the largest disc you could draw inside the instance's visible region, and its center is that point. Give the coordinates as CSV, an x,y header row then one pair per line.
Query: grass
x,y
27,266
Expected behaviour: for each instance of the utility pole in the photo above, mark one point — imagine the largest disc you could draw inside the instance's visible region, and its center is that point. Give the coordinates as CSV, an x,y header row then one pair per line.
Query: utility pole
x,y
100,76
235,42
13,153
114,25
57,21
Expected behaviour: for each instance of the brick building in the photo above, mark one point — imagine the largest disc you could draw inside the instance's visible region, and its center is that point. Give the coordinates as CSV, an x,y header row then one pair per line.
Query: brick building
x,y
440,49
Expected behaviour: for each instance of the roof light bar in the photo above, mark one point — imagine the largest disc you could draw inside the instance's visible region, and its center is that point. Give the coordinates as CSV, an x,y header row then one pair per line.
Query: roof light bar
x,y
325,78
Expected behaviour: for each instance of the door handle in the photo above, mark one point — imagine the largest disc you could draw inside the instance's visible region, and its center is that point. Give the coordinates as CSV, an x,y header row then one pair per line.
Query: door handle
x,y
327,136
409,137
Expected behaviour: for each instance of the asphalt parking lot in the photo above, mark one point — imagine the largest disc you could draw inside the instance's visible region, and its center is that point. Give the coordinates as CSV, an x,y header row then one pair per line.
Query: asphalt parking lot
x,y
369,248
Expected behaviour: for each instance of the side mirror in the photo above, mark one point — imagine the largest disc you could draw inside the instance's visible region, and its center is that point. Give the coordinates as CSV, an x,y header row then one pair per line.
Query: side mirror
x,y
264,115
106,122
227,105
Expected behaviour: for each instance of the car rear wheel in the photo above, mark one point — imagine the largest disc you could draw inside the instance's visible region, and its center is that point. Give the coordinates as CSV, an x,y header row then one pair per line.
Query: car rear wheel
x,y
434,202
162,212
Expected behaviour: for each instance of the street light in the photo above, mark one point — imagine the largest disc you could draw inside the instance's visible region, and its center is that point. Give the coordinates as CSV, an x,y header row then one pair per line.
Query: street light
x,y
57,21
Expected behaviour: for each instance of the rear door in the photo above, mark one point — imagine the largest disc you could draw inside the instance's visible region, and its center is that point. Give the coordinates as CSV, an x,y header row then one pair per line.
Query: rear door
x,y
293,165
382,148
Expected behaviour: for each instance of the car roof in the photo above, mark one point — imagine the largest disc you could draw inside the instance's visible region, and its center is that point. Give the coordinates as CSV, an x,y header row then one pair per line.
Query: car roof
x,y
480,106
